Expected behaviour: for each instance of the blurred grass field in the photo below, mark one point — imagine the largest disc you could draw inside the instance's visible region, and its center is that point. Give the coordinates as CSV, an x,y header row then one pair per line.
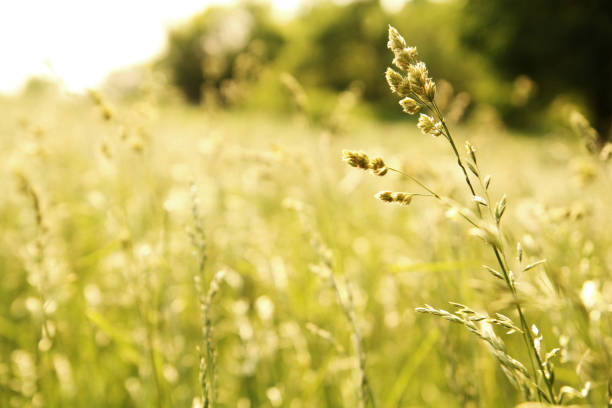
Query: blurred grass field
x,y
97,300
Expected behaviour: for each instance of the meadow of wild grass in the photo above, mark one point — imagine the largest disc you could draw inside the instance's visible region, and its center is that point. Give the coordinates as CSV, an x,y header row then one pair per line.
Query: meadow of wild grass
x,y
161,255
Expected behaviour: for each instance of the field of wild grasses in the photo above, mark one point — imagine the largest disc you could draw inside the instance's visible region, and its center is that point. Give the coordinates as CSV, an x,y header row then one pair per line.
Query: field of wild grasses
x,y
152,254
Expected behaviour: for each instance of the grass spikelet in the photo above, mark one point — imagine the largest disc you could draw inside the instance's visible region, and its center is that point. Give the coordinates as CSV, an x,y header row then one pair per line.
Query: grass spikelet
x,y
357,159
196,233
418,77
404,57
361,160
208,357
208,354
398,84
410,106
396,42
429,126
395,197
481,326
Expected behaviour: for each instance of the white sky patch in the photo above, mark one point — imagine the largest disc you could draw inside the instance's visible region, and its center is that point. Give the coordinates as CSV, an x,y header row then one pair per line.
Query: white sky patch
x,y
83,41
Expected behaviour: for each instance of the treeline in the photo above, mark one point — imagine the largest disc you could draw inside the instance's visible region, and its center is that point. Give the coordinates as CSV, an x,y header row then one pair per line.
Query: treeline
x,y
516,58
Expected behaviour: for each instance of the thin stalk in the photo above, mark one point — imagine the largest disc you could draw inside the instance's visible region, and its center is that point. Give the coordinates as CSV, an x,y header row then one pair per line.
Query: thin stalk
x,y
348,308
431,193
502,264
486,192
524,324
527,337
416,181
454,147
156,380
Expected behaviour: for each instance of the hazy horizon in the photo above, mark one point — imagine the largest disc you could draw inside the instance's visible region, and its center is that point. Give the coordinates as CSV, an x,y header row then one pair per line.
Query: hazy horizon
x,y
43,43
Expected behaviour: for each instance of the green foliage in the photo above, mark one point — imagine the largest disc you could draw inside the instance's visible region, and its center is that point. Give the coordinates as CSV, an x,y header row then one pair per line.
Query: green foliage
x,y
517,59
564,45
220,47
342,47
336,46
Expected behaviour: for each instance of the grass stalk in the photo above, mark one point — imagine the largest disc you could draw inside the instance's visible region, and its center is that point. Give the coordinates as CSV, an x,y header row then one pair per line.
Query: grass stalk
x,y
366,395
499,255
418,91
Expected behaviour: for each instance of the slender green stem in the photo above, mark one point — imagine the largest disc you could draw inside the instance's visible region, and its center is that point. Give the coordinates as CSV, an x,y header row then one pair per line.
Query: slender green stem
x,y
524,325
499,254
454,147
348,308
432,193
526,330
502,263
416,181
486,192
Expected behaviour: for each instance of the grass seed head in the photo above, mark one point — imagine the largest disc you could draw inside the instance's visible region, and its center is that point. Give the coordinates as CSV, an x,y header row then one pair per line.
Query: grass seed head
x,y
429,126
395,197
410,106
418,81
357,159
397,83
378,167
418,76
362,161
430,89
405,57
396,41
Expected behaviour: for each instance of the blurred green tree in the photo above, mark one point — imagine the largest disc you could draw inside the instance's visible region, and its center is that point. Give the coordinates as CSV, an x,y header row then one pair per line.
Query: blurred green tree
x,y
339,45
345,44
219,47
563,45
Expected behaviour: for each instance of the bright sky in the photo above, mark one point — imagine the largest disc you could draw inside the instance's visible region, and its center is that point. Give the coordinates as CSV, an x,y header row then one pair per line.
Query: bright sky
x,y
84,40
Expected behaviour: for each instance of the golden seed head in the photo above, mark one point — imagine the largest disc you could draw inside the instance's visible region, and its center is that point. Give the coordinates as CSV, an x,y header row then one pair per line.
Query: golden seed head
x,y
430,89
410,106
418,75
357,159
396,41
378,167
381,172
405,57
397,82
386,196
394,197
362,161
428,126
